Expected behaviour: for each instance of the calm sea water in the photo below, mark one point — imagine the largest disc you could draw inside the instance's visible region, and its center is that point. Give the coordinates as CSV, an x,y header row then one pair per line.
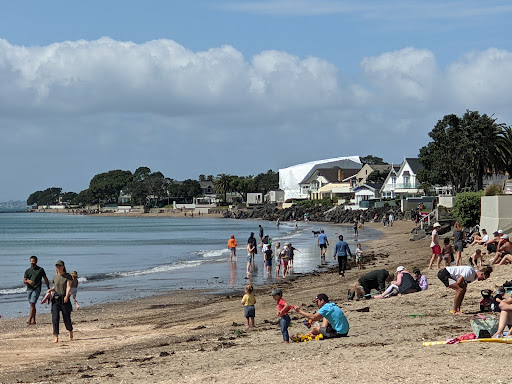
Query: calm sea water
x,y
119,258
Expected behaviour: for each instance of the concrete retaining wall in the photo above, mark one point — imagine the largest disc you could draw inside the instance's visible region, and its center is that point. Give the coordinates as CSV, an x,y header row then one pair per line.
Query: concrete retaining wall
x,y
496,213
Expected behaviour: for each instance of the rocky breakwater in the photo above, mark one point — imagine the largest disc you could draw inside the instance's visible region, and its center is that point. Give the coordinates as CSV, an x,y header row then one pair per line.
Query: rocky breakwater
x,y
316,214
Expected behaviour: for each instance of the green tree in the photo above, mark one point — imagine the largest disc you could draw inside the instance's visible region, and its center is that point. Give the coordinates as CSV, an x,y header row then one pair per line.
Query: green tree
x,y
202,178
242,185
266,182
84,198
222,185
49,196
106,186
467,208
372,160
377,176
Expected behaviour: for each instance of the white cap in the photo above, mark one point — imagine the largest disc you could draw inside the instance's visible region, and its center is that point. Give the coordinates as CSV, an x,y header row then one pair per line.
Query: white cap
x,y
500,231
400,269
437,225
505,237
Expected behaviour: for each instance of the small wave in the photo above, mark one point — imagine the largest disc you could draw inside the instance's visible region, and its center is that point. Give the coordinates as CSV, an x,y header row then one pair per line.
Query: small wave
x,y
215,253
12,291
157,269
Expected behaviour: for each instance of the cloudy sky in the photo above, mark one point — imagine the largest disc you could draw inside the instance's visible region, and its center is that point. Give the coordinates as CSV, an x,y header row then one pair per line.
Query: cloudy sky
x,y
240,87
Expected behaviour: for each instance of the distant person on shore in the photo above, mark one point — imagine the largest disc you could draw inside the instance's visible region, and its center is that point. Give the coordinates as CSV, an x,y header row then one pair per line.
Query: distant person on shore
x,y
261,234
278,258
458,278
322,243
268,255
33,280
60,303
232,247
285,255
74,288
361,220
342,250
356,228
248,301
252,241
291,254
277,223
447,252
334,322
458,242
282,311
436,248
420,278
391,219
359,256
250,259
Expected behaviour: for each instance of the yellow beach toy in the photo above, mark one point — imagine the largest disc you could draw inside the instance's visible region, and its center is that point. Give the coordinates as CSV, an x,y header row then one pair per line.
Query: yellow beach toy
x,y
298,338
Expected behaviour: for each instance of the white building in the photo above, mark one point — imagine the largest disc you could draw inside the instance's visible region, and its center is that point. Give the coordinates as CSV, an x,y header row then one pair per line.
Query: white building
x,y
402,181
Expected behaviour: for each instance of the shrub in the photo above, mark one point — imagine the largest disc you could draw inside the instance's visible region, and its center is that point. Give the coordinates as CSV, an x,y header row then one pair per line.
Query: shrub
x,y
467,208
493,190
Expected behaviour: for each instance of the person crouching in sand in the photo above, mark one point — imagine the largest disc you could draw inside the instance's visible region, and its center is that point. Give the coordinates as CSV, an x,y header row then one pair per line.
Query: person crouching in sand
x,y
458,278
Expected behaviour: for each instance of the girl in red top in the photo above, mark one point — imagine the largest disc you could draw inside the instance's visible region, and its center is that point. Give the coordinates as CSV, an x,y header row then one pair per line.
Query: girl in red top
x,y
282,311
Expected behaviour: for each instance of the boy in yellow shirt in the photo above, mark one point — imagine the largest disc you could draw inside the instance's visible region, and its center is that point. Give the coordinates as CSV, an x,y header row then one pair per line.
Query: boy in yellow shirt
x,y
248,301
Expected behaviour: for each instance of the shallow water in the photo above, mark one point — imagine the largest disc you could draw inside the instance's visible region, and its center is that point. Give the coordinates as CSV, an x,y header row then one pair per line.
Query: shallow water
x,y
120,258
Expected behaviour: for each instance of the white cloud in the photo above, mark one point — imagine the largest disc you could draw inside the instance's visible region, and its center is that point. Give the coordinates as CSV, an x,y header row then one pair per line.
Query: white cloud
x,y
78,106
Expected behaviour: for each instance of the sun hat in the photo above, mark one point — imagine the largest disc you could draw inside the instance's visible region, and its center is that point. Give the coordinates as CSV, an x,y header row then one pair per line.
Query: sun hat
x,y
59,262
437,225
500,231
400,269
276,291
321,296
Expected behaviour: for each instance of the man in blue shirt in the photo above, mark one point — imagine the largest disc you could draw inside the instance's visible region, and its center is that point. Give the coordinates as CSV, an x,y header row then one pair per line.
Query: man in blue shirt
x,y
334,323
322,243
342,250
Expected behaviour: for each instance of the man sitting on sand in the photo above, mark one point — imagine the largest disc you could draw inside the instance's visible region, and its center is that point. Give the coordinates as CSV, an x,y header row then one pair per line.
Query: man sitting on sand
x,y
373,280
504,250
334,323
493,244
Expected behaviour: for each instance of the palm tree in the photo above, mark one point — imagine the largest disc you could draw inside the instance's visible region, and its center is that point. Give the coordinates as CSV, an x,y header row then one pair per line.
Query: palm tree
x,y
504,149
222,185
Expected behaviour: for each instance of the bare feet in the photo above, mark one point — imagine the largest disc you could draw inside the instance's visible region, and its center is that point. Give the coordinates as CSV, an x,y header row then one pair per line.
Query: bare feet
x,y
56,339
70,335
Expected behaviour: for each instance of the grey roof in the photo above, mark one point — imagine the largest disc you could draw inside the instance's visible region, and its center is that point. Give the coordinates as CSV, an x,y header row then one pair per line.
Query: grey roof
x,y
414,164
380,167
343,164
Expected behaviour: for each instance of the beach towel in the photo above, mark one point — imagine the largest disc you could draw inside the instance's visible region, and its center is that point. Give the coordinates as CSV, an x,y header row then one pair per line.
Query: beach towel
x,y
484,326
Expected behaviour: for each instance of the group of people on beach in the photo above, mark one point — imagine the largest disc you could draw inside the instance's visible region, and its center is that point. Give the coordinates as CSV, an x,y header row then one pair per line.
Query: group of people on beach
x,y
334,323
59,296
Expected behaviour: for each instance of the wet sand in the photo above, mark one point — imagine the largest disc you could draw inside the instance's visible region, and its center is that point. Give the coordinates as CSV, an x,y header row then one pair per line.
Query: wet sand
x,y
192,337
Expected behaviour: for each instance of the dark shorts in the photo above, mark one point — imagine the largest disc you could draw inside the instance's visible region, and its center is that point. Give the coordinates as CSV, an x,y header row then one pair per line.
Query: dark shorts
x,y
323,245
444,276
268,263
330,333
491,247
250,311
458,246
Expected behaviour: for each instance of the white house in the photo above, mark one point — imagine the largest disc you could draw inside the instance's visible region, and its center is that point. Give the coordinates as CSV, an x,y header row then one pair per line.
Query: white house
x,y
365,193
289,178
402,181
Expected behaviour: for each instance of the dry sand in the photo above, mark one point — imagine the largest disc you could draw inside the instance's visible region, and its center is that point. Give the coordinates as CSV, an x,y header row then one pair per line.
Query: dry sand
x,y
189,337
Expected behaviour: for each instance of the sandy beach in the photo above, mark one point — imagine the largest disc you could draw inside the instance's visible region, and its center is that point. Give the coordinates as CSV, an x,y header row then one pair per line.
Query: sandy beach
x,y
192,337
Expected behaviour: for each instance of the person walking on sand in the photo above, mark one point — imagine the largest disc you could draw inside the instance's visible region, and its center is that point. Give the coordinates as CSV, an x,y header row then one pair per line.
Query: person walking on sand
x,y
282,311
74,288
436,248
322,243
268,256
359,256
458,278
60,301
33,280
248,301
232,247
342,250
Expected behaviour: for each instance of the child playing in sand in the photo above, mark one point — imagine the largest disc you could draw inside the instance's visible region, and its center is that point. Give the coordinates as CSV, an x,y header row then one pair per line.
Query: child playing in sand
x,y
420,278
477,255
74,288
268,260
447,253
248,301
359,256
282,311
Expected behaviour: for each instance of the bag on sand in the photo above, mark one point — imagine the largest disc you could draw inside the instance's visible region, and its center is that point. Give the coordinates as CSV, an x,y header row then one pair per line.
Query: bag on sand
x,y
484,326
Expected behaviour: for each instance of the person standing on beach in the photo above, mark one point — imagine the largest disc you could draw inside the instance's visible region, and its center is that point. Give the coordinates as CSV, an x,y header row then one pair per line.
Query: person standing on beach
x,y
356,225
282,311
261,234
60,301
436,248
74,288
342,250
232,247
322,243
391,219
32,279
250,259
248,301
458,239
458,278
252,241
278,258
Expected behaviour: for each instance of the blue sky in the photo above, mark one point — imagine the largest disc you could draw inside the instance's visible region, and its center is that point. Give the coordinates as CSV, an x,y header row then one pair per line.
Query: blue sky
x,y
191,87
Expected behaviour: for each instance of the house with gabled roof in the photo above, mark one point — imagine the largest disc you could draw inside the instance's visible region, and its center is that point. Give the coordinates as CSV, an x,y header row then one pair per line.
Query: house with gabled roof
x,y
362,176
366,194
323,182
402,180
